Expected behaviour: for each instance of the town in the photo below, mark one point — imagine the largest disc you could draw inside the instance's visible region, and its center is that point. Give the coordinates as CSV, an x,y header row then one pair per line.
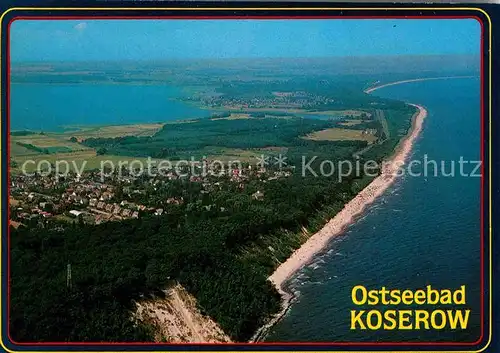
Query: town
x,y
277,100
96,197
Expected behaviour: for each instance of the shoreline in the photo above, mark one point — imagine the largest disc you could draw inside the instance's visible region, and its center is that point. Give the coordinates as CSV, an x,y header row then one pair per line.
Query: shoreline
x,y
353,208
337,225
370,90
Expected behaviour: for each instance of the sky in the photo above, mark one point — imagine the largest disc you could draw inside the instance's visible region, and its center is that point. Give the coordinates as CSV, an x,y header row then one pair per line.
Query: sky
x,y
87,40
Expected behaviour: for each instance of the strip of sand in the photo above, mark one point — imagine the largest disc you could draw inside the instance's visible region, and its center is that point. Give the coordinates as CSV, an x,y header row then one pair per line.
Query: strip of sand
x,y
370,90
352,209
344,218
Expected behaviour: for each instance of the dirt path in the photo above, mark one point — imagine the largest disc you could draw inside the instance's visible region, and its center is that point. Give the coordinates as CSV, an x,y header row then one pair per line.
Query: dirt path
x,y
380,116
177,319
188,319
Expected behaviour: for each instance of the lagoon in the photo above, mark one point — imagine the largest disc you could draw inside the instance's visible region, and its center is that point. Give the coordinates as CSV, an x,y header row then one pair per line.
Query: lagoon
x,y
51,107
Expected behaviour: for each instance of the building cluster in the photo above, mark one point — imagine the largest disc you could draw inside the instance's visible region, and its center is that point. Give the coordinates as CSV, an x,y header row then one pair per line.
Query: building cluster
x,y
88,199
67,198
277,100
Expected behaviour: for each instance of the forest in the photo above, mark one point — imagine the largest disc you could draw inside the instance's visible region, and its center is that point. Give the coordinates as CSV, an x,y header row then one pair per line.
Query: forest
x,y
221,254
183,140
116,262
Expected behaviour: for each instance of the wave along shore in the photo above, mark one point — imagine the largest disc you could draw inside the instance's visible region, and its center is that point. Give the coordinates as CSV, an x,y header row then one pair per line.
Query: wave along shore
x,y
317,242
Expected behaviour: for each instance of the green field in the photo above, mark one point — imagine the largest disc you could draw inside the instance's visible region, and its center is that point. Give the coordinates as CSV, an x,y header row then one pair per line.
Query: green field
x,y
338,134
77,161
58,148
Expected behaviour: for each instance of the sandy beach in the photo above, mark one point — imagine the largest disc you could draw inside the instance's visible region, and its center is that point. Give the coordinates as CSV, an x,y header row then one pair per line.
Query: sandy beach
x,y
353,208
344,218
370,90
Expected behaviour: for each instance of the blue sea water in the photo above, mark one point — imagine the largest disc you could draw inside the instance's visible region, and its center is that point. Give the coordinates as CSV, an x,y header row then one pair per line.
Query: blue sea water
x,y
50,107
424,230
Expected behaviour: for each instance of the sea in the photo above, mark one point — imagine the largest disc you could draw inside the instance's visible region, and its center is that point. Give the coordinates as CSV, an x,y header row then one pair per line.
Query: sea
x,y
425,230
56,107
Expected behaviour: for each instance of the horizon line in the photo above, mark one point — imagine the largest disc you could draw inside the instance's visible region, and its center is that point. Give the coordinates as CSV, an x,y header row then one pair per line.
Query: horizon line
x,y
21,62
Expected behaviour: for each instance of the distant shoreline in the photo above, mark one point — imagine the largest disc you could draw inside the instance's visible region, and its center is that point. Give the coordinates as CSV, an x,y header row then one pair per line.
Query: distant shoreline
x,y
337,225
370,90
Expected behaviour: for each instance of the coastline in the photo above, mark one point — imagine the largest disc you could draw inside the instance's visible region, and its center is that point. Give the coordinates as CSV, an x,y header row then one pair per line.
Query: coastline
x,y
353,208
337,225
370,90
